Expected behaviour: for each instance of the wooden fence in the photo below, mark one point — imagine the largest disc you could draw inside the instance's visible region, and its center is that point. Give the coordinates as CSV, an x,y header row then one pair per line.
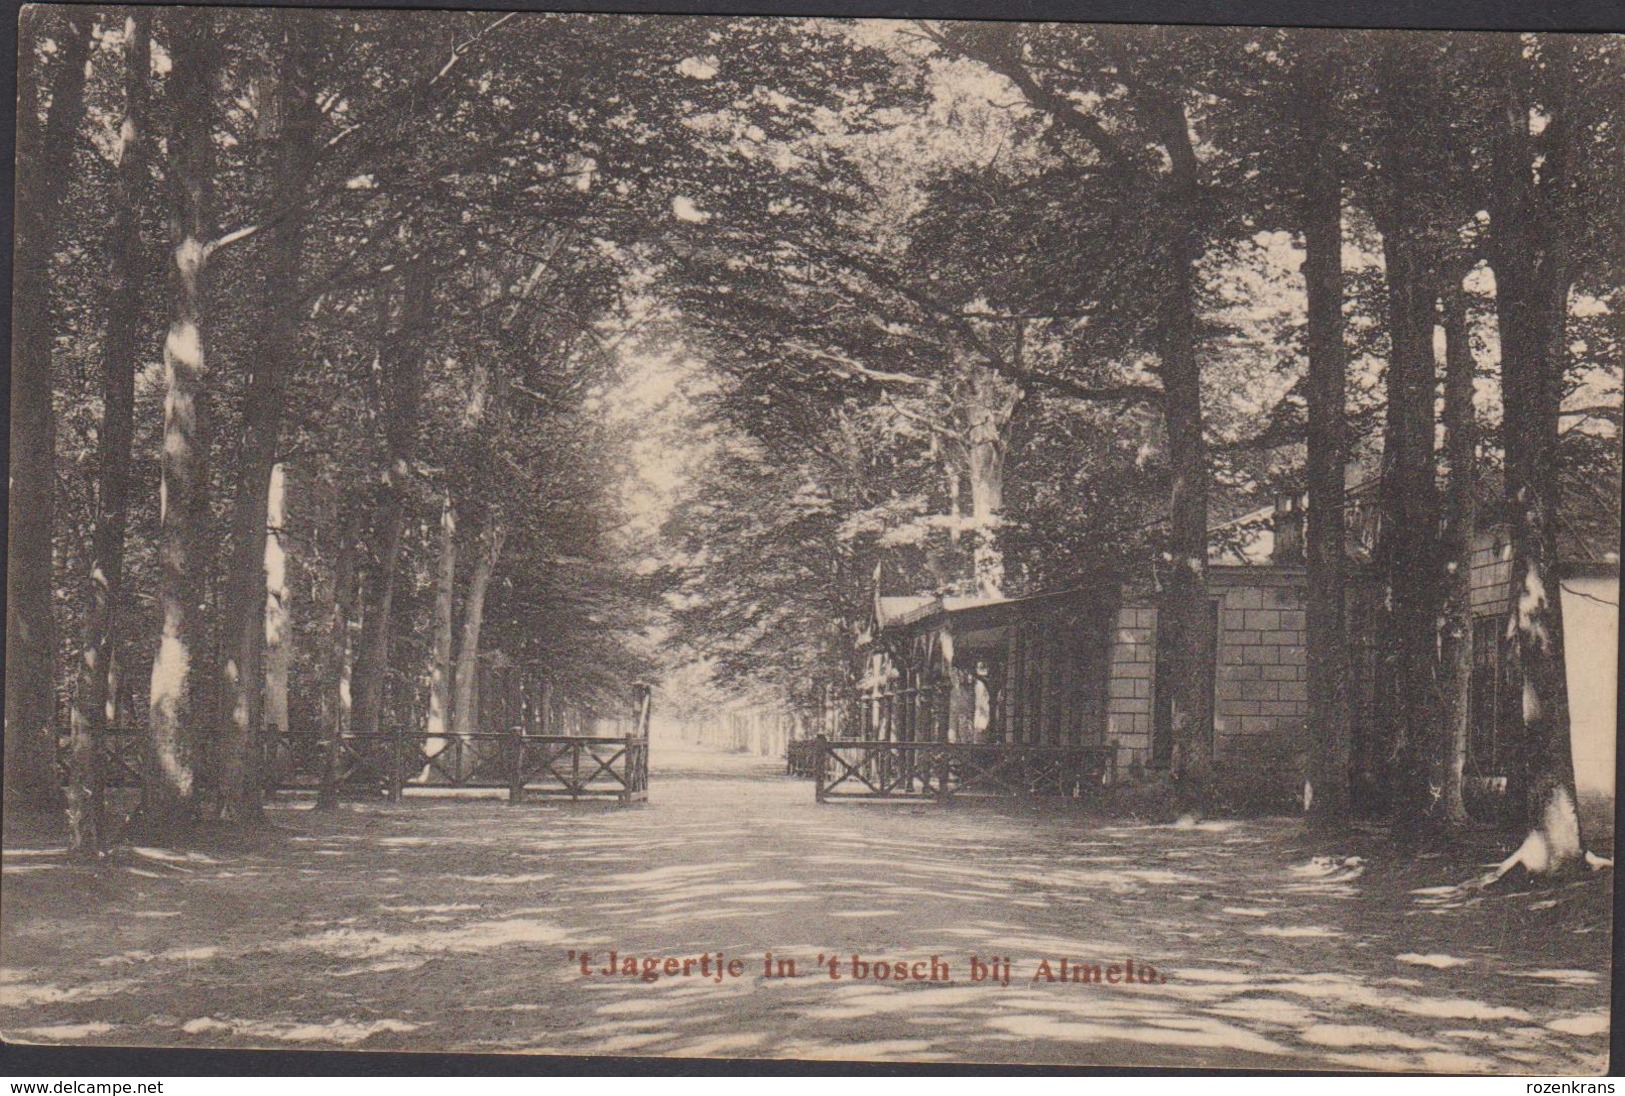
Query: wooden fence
x,y
385,764
539,766
872,769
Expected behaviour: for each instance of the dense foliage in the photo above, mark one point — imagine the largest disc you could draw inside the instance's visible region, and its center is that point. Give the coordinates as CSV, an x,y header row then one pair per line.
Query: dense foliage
x,y
941,308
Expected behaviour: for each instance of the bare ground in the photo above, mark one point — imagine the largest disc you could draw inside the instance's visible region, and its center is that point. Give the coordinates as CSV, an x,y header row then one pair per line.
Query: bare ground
x,y
449,925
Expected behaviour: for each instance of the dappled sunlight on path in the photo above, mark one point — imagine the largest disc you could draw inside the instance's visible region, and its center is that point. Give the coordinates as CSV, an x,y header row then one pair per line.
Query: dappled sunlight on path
x,y
460,925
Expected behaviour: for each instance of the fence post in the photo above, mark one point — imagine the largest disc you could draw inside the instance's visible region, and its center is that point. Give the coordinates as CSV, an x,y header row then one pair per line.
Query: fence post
x,y
516,761
645,708
636,762
820,762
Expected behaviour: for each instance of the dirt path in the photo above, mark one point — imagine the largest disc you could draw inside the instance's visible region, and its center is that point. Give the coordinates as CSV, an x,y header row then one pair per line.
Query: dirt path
x,y
440,925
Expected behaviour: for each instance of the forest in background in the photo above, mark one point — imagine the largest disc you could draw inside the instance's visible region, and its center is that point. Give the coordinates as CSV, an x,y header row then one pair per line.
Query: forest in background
x,y
325,325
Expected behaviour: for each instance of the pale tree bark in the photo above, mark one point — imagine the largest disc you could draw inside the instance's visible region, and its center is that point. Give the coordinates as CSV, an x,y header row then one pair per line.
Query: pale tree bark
x,y
1531,227
403,368
465,699
96,690
989,400
337,706
173,720
1461,525
440,657
1327,796
243,668
44,164
440,673
278,648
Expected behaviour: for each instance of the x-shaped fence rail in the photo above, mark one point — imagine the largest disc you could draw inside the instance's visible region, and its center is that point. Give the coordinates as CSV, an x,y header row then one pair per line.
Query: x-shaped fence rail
x,y
384,763
872,769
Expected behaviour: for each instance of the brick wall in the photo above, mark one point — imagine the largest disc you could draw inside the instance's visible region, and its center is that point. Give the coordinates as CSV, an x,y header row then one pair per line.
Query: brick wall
x,y
1262,696
1261,702
1128,692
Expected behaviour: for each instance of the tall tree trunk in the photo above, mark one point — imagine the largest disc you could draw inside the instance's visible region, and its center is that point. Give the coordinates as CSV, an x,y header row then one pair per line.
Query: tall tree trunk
x,y
243,671
278,649
1410,530
338,709
1184,604
990,403
1410,551
174,713
1531,228
44,164
96,690
440,673
1461,525
403,367
1326,618
465,701
1183,209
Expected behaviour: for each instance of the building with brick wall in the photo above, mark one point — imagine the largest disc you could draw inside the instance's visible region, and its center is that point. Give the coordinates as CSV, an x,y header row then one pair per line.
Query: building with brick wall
x,y
1257,672
1261,700
1085,666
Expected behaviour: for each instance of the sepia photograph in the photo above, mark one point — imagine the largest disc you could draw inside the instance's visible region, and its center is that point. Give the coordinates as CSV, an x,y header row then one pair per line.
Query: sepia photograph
x,y
807,539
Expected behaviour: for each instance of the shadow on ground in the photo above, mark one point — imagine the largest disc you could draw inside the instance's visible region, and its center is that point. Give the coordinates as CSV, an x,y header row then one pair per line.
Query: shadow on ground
x,y
437,925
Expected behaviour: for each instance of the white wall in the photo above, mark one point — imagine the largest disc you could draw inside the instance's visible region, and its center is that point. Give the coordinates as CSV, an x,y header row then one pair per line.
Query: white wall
x,y
1591,649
